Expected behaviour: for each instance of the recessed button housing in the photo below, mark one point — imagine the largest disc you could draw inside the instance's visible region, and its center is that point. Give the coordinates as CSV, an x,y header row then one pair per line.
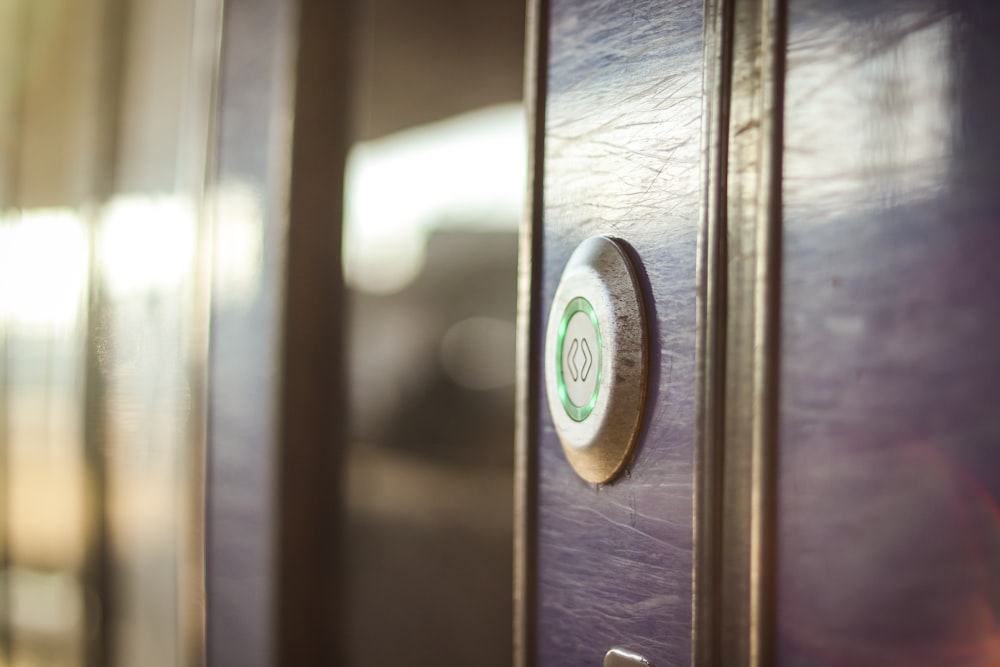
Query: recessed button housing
x,y
596,359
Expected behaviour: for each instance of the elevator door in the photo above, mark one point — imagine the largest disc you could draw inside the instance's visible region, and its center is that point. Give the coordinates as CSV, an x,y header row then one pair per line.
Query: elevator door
x,y
807,192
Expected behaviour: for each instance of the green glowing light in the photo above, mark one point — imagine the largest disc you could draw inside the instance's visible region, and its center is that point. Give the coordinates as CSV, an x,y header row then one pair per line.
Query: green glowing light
x,y
577,412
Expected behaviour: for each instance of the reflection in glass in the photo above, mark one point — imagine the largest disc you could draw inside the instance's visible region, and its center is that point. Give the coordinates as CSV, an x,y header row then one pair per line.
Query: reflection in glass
x,y
430,260
466,172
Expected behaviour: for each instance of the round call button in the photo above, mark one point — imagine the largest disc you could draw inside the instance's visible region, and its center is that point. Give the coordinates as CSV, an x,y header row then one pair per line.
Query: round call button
x,y
596,359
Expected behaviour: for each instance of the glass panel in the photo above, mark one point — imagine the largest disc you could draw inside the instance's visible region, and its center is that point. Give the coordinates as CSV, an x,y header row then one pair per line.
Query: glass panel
x,y
433,198
103,326
430,252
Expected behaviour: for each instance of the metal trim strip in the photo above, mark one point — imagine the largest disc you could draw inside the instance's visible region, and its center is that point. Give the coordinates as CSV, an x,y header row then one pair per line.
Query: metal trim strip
x,y
528,328
711,333
753,254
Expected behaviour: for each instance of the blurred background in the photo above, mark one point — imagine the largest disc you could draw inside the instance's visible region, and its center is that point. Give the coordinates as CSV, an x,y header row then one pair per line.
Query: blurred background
x,y
434,192
216,216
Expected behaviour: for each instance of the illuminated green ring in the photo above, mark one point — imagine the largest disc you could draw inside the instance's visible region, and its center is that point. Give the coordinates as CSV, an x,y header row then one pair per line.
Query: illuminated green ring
x,y
577,412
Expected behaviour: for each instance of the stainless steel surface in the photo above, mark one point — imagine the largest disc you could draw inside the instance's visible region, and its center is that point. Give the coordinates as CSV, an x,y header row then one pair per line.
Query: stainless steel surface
x,y
750,277
888,477
711,335
620,156
618,657
848,258
247,192
596,378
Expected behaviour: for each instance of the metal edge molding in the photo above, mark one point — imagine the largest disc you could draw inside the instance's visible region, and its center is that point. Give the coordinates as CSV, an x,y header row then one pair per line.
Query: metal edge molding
x,y
207,41
528,328
711,323
752,234
763,553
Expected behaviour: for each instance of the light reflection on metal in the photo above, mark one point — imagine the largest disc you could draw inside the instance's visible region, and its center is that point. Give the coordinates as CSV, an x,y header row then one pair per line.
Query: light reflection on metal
x,y
43,270
146,243
47,604
103,146
617,657
911,77
238,221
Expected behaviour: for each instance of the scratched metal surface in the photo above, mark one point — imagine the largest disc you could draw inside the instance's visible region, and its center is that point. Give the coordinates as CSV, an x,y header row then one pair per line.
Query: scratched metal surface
x,y
889,473
622,158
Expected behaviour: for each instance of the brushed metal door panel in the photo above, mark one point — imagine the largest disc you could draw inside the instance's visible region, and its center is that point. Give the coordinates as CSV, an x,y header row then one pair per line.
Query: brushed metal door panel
x,y
888,533
621,157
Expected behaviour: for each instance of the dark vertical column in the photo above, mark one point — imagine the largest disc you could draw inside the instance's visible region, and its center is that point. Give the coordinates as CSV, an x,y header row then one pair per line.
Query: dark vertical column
x,y
312,420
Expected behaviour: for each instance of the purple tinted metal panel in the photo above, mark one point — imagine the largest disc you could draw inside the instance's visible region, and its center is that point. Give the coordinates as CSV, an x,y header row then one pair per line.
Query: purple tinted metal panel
x,y
889,473
622,138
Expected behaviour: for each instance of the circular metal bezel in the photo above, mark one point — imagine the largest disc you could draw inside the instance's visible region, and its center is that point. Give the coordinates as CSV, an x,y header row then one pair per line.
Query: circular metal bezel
x,y
599,441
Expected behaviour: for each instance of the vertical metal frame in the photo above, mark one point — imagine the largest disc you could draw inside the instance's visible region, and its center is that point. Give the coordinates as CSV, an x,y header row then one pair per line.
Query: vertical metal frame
x,y
528,330
711,322
307,609
738,256
244,350
276,367
747,273
203,127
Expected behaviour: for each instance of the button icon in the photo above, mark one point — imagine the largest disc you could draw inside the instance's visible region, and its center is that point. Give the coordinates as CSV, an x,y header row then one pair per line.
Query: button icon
x,y
580,364
578,359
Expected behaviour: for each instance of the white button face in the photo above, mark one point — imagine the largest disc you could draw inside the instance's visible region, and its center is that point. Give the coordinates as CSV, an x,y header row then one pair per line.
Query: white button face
x,y
579,349
596,348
